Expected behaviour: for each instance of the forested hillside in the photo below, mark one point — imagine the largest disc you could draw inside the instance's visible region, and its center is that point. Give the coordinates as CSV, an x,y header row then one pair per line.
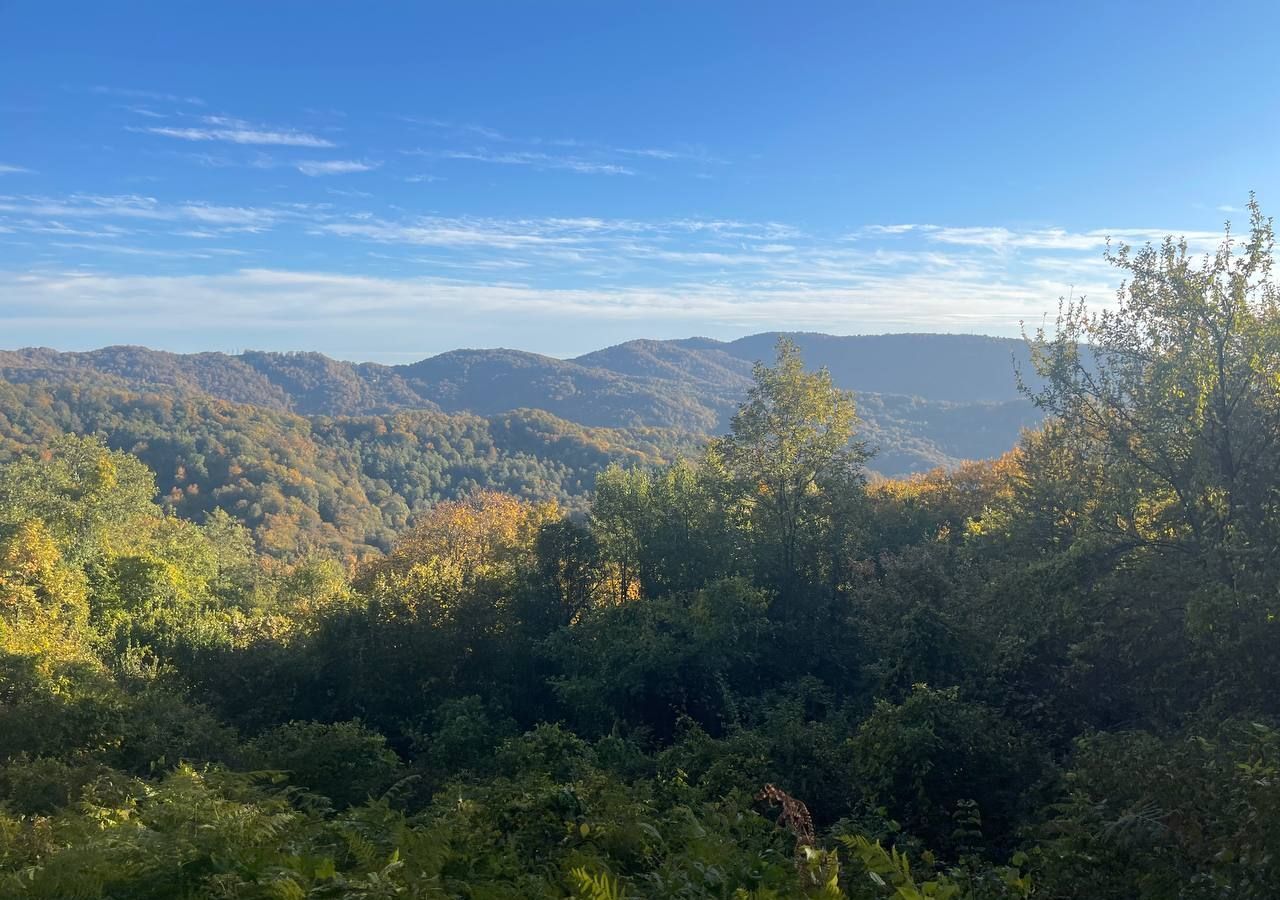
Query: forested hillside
x,y
345,484
753,673
315,454
914,389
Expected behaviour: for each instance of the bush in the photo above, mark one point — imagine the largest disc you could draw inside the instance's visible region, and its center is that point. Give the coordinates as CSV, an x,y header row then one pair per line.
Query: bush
x,y
926,759
345,761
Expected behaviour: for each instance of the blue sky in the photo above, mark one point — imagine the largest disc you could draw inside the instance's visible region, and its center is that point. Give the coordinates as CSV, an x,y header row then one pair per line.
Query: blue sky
x,y
383,181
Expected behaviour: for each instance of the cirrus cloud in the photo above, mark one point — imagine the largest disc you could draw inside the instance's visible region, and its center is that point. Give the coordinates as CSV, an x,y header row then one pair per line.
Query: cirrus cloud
x,y
314,168
238,131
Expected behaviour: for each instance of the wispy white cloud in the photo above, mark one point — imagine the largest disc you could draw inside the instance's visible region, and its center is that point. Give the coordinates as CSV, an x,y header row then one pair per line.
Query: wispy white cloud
x,y
457,128
889,229
137,207
60,229
145,112
260,297
335,166
592,157
1004,238
667,154
652,153
443,232
539,160
158,96
238,131
244,217
126,250
9,169
84,206
717,240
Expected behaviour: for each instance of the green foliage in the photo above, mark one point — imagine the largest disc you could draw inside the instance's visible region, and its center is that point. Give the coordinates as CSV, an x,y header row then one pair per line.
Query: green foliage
x,y
661,530
792,471
599,886
345,762
934,753
461,736
890,874
1180,816
795,737
82,493
1173,413
647,664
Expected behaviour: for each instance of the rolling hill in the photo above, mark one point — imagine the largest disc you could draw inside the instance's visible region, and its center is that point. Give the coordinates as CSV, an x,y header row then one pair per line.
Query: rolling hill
x,y
314,452
909,385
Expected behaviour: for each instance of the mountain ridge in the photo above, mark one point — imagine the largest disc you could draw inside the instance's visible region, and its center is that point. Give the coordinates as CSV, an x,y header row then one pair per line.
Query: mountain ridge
x,y
910,386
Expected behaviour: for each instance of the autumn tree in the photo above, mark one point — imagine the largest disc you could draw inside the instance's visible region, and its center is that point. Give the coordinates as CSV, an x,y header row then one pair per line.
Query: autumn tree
x,y
84,494
39,593
460,548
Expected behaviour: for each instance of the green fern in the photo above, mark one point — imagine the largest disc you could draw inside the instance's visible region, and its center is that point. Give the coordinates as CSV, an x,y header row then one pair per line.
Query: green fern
x,y
601,886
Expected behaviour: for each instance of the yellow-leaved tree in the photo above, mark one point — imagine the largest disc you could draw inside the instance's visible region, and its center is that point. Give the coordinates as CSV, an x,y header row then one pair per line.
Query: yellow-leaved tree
x,y
464,548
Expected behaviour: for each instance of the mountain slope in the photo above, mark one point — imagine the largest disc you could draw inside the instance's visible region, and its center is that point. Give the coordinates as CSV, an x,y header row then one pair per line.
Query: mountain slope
x,y
956,368
675,360
925,399
344,484
489,381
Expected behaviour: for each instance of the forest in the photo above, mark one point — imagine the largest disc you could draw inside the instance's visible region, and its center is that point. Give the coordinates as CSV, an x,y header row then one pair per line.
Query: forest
x,y
925,400
745,670
344,486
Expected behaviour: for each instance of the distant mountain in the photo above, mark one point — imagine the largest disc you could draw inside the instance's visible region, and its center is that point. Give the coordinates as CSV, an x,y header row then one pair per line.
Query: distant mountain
x,y
956,368
490,381
700,361
925,399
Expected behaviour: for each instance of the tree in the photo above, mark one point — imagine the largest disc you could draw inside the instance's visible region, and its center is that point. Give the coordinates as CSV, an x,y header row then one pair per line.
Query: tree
x,y
661,530
344,761
619,520
36,585
461,548
1175,393
566,580
792,471
1166,448
934,754
85,494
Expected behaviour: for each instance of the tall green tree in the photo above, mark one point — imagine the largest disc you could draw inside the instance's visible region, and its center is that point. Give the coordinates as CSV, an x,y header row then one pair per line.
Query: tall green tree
x,y
662,530
792,472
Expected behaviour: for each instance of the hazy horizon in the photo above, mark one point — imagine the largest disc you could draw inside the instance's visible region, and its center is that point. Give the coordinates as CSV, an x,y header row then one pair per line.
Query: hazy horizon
x,y
410,356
